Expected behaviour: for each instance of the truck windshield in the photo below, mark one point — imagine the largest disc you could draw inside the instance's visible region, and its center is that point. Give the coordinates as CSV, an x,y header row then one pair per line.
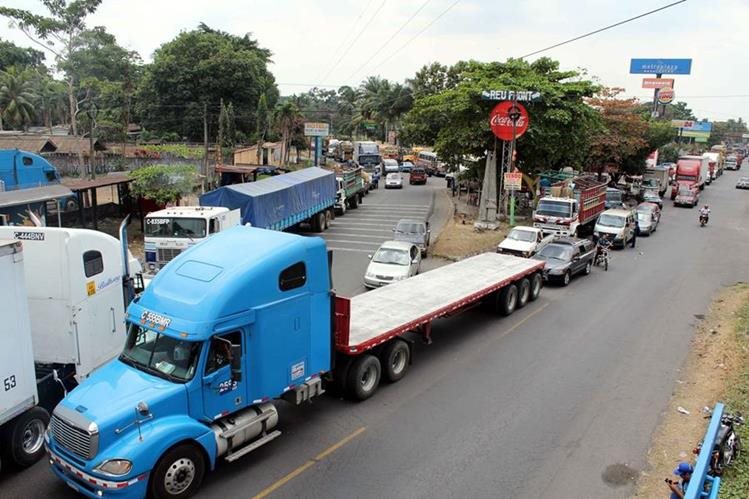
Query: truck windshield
x,y
175,227
369,159
160,355
554,208
614,196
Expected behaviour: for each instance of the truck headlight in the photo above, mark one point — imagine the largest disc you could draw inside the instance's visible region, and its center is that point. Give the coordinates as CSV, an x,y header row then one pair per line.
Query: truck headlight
x,y
115,467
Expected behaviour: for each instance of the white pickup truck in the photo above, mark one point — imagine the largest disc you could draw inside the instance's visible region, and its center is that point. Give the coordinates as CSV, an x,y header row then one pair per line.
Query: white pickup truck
x,y
524,241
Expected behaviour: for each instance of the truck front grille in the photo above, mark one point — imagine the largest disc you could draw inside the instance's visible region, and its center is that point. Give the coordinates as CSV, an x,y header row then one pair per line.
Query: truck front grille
x,y
164,255
76,440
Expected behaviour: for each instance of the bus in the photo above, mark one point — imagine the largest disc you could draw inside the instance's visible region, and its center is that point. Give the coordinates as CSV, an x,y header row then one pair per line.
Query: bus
x,y
430,162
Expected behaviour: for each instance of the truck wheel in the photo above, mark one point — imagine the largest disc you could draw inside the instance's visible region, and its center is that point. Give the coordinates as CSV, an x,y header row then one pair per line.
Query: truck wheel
x,y
395,359
25,437
178,473
507,299
319,223
524,292
364,377
354,202
537,283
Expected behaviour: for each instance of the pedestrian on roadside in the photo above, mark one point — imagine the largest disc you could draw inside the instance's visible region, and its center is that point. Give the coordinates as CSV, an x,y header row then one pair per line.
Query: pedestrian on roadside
x,y
635,231
678,489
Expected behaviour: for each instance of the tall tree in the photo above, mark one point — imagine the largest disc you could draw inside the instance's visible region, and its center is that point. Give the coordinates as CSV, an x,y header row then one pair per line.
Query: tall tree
x,y
287,116
13,55
16,98
59,33
201,67
262,123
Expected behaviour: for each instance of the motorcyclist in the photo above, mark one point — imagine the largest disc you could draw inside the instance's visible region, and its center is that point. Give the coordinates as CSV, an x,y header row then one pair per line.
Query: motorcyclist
x,y
705,213
603,243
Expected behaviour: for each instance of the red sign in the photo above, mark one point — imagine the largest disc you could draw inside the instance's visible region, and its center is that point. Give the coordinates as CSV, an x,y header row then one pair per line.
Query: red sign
x,y
657,83
665,95
501,120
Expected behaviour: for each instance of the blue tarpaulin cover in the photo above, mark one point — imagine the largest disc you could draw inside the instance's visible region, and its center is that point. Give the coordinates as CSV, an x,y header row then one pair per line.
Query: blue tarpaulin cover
x,y
277,202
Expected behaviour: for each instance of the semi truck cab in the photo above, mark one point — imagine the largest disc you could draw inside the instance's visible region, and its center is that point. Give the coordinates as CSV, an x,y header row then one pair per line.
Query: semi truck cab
x,y
213,339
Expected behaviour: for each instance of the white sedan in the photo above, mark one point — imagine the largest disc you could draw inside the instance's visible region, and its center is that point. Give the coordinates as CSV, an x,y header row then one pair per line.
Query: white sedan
x,y
393,261
524,241
394,181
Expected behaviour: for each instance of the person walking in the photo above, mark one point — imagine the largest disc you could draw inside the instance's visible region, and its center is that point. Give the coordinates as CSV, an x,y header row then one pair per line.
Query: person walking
x,y
635,231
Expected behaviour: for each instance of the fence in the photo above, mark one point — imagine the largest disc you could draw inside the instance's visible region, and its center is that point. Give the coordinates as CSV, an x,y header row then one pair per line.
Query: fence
x,y
700,479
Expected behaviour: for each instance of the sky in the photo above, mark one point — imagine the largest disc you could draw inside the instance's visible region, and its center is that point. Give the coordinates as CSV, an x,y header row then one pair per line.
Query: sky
x,y
336,42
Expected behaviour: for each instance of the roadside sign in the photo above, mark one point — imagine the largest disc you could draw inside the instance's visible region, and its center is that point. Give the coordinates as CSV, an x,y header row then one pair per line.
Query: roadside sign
x,y
745,135
690,128
316,129
657,83
682,123
513,181
665,95
660,66
516,95
501,123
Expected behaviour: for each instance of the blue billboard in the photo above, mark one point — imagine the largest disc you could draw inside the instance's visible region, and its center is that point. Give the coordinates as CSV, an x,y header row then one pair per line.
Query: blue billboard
x,y
660,66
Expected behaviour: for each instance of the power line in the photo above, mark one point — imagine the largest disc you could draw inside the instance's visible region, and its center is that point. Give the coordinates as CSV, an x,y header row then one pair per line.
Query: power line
x,y
348,35
602,29
353,42
419,34
377,52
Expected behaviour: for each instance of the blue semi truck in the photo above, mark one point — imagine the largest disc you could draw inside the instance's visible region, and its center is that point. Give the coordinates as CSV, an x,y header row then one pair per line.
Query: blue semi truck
x,y
221,333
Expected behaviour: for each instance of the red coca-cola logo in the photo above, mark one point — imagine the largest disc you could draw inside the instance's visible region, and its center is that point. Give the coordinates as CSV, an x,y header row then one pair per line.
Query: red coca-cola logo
x,y
501,120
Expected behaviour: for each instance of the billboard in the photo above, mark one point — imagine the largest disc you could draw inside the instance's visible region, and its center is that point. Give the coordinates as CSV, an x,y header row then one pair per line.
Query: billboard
x,y
660,66
657,83
316,129
696,129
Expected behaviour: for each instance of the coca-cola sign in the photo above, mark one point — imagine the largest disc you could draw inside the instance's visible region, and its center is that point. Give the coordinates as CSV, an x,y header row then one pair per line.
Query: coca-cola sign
x,y
508,115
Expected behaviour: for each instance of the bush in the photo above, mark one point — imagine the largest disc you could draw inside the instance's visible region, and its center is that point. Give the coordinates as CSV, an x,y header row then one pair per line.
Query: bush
x,y
164,183
176,150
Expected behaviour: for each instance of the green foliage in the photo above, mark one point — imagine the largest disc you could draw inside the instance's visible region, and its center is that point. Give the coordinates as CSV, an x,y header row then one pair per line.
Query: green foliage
x,y
176,150
678,111
199,68
13,55
668,153
727,131
735,482
227,129
17,98
449,113
164,183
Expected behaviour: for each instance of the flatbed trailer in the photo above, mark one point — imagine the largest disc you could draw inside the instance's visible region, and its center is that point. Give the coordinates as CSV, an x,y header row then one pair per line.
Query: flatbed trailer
x,y
371,323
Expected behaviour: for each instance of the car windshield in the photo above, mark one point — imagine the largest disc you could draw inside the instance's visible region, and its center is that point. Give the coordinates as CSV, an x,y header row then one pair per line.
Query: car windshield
x,y
556,251
160,355
392,256
175,227
527,236
614,196
644,216
410,228
608,220
554,208
393,176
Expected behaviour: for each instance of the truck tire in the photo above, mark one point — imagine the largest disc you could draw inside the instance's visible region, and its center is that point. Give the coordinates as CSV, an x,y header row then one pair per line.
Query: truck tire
x,y
318,224
24,437
363,377
507,299
524,292
537,283
354,204
395,359
179,472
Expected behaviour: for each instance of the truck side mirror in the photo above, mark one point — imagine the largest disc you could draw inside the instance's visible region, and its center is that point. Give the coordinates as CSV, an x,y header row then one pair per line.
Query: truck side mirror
x,y
236,362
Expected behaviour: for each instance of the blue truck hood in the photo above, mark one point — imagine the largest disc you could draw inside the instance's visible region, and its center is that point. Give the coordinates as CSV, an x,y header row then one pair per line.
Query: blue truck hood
x,y
109,397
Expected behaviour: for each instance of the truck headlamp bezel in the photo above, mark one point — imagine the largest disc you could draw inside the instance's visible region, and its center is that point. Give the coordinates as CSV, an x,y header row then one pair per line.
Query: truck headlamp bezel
x,y
115,467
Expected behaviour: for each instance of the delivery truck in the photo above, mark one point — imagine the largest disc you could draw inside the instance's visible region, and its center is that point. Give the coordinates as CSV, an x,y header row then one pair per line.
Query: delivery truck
x,y
572,208
222,333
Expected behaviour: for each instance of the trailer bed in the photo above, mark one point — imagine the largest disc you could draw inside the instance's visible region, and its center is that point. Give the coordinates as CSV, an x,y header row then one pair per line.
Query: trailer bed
x,y
374,317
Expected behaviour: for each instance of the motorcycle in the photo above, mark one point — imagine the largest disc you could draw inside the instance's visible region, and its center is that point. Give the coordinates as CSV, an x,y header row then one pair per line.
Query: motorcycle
x,y
703,220
603,256
727,447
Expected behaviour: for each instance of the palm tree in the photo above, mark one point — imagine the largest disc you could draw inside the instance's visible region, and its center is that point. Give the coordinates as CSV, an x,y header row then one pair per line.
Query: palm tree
x,y
16,98
287,113
51,102
384,102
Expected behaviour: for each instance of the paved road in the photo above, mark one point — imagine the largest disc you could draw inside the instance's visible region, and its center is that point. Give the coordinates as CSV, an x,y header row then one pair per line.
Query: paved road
x,y
539,404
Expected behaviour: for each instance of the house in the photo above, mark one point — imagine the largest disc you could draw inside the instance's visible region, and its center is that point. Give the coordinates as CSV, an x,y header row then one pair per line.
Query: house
x,y
270,155
32,143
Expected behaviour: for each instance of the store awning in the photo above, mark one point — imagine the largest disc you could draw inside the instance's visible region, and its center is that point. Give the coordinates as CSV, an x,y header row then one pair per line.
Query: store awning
x,y
33,195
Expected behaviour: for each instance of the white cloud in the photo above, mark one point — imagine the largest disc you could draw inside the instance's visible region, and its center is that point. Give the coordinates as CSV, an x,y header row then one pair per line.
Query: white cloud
x,y
304,37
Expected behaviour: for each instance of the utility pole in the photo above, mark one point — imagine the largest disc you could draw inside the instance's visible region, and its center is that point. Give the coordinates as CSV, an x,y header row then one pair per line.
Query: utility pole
x,y
205,147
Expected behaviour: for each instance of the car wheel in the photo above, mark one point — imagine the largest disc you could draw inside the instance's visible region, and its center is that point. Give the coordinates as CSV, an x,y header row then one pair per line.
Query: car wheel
x,y
588,267
566,278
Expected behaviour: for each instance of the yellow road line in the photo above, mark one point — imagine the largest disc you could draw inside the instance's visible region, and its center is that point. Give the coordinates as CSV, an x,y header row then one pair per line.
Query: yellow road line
x,y
524,319
301,469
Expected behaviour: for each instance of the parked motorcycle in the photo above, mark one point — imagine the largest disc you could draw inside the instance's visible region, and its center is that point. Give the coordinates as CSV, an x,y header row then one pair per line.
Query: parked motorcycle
x,y
727,447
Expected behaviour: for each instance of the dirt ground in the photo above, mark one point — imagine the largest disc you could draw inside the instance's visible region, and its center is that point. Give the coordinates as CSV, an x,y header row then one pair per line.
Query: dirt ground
x,y
712,367
459,239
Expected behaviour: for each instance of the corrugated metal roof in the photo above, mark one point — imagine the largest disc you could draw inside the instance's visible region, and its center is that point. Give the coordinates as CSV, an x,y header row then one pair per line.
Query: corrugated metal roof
x,y
33,195
81,184
31,143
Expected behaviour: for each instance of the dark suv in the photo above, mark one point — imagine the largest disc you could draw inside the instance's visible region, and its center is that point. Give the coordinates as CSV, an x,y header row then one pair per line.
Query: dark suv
x,y
565,257
418,176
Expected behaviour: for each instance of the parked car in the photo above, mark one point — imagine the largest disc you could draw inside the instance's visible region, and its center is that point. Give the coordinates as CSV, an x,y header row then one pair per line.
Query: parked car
x,y
390,166
394,181
687,196
743,183
618,223
731,163
648,216
393,261
565,257
413,231
651,196
524,241
614,198
418,175
406,167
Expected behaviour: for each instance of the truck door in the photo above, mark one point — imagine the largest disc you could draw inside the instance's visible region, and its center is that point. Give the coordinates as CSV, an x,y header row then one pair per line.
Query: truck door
x,y
224,389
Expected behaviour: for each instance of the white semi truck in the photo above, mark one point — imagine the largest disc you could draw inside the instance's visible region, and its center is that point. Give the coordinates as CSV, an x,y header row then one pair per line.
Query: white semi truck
x,y
62,299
